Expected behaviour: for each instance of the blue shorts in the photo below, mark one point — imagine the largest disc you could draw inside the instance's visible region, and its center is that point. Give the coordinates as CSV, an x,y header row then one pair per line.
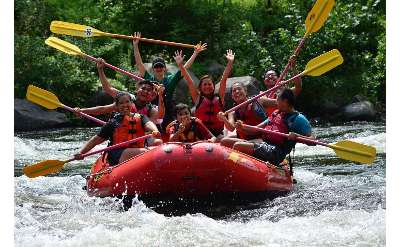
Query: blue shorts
x,y
268,152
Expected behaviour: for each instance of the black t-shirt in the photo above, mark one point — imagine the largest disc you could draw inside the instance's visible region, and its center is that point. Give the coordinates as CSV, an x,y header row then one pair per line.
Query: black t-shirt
x,y
107,131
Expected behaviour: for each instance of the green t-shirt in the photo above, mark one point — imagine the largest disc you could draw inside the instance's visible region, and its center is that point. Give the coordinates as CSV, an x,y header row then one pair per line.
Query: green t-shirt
x,y
170,81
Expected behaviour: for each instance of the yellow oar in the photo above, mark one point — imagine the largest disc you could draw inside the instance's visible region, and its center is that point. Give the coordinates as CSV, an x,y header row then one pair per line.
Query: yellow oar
x,y
315,19
78,30
315,67
50,101
51,166
347,150
74,50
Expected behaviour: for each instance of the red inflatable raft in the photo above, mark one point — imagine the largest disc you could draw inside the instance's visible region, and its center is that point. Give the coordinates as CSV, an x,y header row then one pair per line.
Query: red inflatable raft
x,y
191,169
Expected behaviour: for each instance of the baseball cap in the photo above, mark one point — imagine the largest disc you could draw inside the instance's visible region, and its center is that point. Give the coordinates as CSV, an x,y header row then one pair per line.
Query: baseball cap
x,y
158,61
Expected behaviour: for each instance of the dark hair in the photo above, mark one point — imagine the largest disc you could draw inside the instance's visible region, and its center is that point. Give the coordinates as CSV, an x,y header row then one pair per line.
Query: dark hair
x,y
147,82
121,94
181,106
288,95
240,84
272,69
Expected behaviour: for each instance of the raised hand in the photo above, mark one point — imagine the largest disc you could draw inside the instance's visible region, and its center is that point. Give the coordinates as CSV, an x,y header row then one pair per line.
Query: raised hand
x,y
230,56
160,91
200,47
178,57
136,38
100,63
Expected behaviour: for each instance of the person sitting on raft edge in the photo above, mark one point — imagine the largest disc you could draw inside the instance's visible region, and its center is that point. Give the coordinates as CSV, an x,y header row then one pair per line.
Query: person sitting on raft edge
x,y
286,120
122,127
186,128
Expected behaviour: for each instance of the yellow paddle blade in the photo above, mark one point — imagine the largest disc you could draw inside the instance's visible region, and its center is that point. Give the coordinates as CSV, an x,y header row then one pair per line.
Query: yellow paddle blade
x,y
64,46
43,168
73,29
42,97
323,63
354,151
318,15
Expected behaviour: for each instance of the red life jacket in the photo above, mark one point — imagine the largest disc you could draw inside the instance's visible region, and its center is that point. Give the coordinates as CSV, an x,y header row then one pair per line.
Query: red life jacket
x,y
249,117
207,111
129,128
271,109
276,122
186,136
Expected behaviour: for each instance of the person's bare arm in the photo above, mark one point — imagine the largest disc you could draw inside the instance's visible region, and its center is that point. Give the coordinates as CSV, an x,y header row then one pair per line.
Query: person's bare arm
x,y
297,83
267,102
199,48
136,53
230,56
174,137
104,82
94,141
192,89
228,122
97,110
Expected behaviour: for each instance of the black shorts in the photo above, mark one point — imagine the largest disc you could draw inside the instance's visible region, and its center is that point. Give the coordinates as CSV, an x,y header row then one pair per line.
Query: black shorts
x,y
268,152
114,155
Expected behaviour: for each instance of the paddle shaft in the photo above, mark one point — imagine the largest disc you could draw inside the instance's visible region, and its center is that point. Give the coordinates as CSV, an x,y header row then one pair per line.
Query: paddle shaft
x,y
287,67
155,41
112,147
57,103
84,115
130,74
264,93
308,141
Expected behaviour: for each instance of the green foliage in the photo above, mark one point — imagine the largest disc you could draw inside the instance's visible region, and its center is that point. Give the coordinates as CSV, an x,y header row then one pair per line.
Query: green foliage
x,y
262,33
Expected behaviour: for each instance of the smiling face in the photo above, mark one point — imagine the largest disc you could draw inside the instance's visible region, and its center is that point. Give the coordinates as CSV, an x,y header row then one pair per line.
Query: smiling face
x,y
270,78
239,93
159,71
207,87
183,116
145,92
124,104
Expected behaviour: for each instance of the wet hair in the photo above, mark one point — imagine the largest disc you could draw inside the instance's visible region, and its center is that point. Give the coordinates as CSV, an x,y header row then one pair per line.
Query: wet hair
x,y
240,84
272,69
181,106
287,94
203,78
120,95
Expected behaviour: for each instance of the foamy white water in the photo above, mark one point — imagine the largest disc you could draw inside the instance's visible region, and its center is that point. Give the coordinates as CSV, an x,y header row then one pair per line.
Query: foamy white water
x,y
335,203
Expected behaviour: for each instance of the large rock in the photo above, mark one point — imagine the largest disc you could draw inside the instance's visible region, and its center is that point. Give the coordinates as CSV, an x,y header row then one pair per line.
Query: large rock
x,y
251,84
100,98
363,110
28,116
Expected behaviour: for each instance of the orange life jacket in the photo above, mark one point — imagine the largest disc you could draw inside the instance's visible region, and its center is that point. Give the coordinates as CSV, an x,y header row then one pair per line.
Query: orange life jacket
x,y
186,136
129,128
207,111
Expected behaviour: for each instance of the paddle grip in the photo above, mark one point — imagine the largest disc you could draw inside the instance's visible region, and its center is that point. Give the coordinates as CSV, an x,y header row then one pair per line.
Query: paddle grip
x,y
130,74
263,93
85,115
287,67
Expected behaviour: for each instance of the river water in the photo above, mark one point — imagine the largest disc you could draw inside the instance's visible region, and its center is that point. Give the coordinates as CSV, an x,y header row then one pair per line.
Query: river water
x,y
334,203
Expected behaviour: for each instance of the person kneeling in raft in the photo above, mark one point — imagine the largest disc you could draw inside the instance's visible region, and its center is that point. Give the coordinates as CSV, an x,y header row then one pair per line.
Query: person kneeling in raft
x,y
186,128
123,126
286,120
